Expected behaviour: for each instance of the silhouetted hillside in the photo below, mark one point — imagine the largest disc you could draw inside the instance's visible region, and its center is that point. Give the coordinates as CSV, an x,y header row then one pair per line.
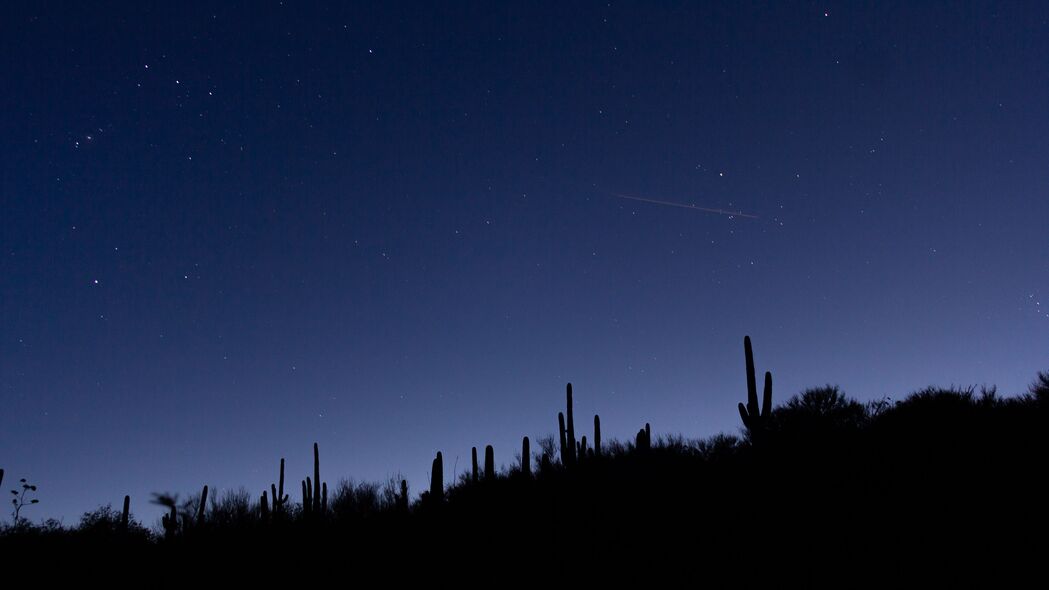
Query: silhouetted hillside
x,y
947,483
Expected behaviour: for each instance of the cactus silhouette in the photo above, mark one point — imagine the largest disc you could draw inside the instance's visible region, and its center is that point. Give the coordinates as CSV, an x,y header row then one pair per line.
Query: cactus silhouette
x,y
597,435
125,512
280,499
202,506
264,507
170,523
526,457
754,420
314,491
316,479
570,427
437,478
643,440
489,463
473,476
561,432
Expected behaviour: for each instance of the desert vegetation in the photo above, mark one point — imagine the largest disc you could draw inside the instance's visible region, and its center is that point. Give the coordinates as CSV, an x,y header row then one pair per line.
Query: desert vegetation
x,y
943,479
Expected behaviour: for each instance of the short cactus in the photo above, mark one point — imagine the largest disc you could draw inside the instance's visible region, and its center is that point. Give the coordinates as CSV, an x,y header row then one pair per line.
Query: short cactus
x,y
170,522
402,500
437,478
643,440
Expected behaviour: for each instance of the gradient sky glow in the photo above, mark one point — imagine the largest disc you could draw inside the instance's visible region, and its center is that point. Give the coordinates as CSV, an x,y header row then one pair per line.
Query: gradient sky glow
x,y
231,229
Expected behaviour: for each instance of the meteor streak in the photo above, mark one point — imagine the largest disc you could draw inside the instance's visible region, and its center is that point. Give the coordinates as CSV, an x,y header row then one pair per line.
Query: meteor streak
x,y
686,206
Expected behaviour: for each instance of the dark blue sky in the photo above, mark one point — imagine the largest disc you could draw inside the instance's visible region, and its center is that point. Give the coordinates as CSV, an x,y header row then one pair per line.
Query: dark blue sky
x,y
228,231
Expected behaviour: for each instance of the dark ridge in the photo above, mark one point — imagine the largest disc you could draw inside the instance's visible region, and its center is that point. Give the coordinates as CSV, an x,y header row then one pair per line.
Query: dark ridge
x,y
946,485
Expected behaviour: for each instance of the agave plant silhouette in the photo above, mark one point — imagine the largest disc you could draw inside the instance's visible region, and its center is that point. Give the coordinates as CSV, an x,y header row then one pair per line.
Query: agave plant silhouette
x,y
21,500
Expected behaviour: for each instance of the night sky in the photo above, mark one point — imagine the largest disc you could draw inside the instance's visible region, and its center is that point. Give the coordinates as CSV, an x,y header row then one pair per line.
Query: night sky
x,y
230,230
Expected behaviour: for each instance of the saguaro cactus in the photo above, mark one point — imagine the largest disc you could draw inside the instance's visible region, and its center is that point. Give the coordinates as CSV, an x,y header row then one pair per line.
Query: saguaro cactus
x,y
597,435
280,499
264,507
437,478
526,457
314,491
125,513
570,427
203,505
170,522
489,463
316,479
473,474
754,420
561,432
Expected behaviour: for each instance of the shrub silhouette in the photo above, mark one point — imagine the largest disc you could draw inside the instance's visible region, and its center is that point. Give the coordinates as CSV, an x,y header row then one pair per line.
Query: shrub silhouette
x,y
232,508
819,410
1039,390
106,523
354,501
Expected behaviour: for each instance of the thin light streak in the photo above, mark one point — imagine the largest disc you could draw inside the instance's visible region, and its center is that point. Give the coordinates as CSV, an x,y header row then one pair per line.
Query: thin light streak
x,y
686,206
